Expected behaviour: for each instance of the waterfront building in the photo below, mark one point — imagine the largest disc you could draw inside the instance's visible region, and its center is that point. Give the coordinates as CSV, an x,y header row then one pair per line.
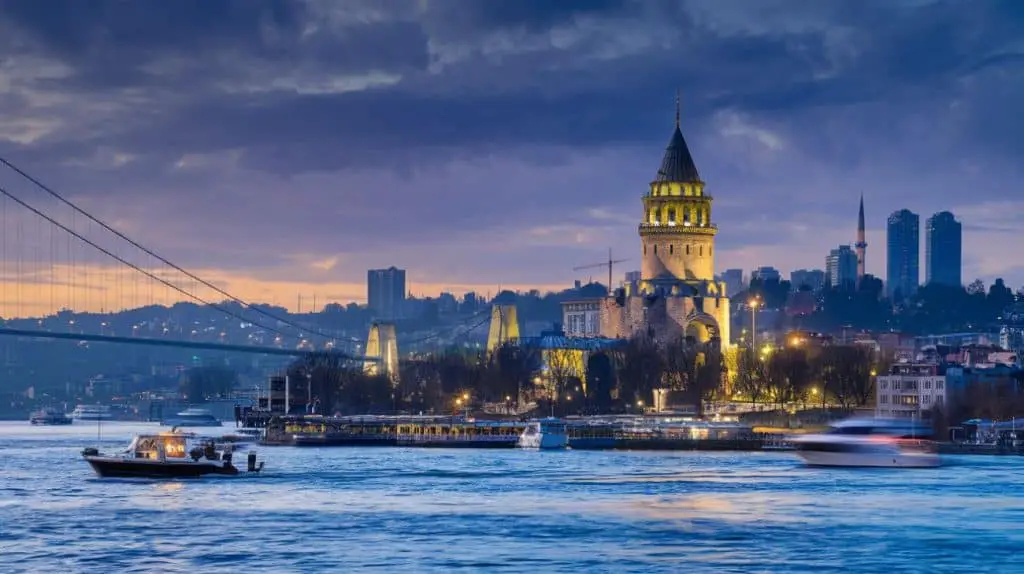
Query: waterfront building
x,y
903,254
385,293
910,390
766,274
841,267
582,317
677,293
943,250
1011,329
813,278
734,282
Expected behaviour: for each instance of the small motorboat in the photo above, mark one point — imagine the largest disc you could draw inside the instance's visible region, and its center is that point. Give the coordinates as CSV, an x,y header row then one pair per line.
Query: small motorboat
x,y
545,434
870,443
169,455
49,416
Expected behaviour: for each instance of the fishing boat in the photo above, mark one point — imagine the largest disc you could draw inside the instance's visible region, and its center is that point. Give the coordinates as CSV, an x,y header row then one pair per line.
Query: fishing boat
x,y
544,434
49,416
168,455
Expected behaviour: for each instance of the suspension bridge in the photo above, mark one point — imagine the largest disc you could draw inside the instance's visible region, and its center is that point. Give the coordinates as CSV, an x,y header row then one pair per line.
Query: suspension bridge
x,y
66,274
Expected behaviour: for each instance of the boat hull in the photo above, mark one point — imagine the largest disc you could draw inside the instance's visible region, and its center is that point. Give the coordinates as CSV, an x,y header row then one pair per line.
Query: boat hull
x,y
870,459
52,422
190,423
342,440
110,467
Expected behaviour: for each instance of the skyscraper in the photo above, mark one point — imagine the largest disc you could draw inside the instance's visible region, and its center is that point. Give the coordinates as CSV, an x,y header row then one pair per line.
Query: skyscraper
x,y
943,249
903,253
862,244
385,292
841,267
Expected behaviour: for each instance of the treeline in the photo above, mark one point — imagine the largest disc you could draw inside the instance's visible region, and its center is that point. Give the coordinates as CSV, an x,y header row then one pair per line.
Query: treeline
x,y
618,380
933,308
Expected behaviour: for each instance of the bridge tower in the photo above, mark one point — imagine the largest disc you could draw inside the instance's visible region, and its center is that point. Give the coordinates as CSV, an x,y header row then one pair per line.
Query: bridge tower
x,y
382,344
504,326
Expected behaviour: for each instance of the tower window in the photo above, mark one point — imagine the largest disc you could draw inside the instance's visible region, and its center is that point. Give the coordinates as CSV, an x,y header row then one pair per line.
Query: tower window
x,y
671,249
657,215
645,249
655,248
702,251
671,214
687,249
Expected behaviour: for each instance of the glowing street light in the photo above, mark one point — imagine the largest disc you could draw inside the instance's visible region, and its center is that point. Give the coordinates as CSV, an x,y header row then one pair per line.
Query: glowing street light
x,y
753,304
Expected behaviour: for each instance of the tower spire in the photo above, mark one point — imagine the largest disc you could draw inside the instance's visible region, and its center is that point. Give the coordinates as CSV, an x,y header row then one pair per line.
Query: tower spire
x,y
862,244
677,108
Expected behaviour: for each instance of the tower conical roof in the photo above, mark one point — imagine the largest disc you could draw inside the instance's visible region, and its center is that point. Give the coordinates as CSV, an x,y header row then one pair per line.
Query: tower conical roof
x,y
677,164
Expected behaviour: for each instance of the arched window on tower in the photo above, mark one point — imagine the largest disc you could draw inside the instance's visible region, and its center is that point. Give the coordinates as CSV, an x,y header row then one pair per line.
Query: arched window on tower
x,y
657,215
687,248
686,216
701,251
655,248
671,249
671,215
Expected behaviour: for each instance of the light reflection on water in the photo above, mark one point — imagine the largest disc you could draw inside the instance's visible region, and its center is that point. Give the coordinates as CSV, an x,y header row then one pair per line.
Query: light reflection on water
x,y
435,510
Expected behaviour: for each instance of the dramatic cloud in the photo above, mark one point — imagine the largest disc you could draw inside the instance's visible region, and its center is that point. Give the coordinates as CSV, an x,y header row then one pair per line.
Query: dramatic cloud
x,y
286,146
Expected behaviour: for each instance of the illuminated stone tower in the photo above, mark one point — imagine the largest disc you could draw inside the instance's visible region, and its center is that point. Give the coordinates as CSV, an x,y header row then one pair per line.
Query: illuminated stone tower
x,y
862,244
677,236
677,293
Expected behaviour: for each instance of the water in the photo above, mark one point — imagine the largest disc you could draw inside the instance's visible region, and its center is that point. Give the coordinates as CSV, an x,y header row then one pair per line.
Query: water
x,y
412,510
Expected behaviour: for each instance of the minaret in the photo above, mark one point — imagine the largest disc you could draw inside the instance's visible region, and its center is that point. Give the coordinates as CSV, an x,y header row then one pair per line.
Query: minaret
x,y
862,244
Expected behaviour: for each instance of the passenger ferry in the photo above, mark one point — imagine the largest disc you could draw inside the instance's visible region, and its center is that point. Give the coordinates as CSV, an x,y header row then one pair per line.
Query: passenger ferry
x,y
192,417
544,434
588,435
49,416
91,413
870,443
460,434
168,455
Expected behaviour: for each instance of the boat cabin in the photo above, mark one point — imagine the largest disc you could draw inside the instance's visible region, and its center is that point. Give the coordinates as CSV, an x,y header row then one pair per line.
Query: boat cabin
x,y
172,445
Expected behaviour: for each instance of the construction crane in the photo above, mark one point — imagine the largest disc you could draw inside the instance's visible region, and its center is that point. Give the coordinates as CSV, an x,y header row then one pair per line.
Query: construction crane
x,y
609,264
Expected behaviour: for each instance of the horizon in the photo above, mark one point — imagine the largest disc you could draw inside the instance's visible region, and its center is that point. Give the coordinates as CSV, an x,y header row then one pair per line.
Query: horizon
x,y
479,147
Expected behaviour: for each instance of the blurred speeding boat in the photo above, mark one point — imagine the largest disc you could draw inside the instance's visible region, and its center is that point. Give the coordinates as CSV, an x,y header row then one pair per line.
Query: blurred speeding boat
x,y
870,443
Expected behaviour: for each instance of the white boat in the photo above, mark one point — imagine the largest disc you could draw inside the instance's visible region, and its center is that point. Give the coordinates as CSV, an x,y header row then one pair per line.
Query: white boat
x,y
91,413
168,455
890,443
192,417
544,434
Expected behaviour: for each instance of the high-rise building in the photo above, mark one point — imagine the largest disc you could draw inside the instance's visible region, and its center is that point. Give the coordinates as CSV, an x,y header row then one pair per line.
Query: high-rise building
x,y
766,274
903,243
733,281
841,267
862,243
813,278
943,249
385,293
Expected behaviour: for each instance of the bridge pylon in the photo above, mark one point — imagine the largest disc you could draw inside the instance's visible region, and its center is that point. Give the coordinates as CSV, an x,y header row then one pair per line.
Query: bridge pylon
x,y
382,345
504,326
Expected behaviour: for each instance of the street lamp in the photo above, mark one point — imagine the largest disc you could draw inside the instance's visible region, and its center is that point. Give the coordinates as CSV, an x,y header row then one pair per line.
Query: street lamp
x,y
753,303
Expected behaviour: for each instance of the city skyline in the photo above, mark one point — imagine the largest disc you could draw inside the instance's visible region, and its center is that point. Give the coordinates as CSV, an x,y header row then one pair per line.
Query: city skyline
x,y
473,153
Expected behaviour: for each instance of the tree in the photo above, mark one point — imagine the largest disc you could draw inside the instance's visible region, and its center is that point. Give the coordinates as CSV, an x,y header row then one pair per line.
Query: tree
x,y
510,369
600,382
846,374
201,383
639,369
751,380
794,374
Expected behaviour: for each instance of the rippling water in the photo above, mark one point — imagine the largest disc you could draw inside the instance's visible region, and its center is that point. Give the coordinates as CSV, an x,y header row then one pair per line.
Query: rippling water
x,y
411,510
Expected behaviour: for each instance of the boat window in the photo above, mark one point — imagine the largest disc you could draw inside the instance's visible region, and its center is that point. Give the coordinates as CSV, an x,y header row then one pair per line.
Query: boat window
x,y
851,430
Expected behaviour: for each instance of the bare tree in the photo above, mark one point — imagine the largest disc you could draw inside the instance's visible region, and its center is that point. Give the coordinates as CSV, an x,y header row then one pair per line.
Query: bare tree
x,y
639,369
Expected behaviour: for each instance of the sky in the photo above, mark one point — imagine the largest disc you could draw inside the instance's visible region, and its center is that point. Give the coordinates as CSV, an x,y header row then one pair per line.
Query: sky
x,y
280,147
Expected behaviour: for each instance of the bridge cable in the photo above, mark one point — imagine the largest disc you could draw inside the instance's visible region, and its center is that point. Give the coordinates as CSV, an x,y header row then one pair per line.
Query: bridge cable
x,y
78,236
144,249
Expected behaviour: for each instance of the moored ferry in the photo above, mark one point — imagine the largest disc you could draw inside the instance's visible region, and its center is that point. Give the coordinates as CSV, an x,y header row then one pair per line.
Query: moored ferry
x,y
460,434
192,417
91,413
49,416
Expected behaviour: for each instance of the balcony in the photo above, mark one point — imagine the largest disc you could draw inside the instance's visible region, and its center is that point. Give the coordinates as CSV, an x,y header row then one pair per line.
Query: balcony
x,y
676,227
